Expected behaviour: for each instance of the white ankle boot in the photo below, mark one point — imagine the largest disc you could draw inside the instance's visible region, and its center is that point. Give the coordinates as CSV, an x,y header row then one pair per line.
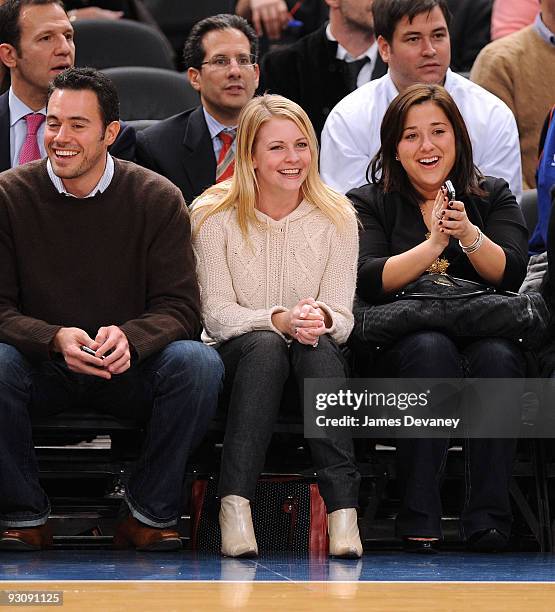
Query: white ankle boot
x,y
238,538
344,536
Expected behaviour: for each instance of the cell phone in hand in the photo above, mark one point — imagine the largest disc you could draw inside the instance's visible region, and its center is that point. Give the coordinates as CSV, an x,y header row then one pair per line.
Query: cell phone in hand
x,y
450,188
89,351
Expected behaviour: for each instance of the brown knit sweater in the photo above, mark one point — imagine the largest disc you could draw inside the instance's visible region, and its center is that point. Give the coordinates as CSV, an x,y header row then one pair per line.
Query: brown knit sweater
x,y
520,69
122,258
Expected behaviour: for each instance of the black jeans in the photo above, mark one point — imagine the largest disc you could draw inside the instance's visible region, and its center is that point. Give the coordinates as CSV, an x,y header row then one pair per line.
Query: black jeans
x,y
257,366
176,390
488,462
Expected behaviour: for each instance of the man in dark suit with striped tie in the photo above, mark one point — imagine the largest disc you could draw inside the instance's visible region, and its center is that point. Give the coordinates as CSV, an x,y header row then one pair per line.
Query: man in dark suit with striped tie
x,y
196,148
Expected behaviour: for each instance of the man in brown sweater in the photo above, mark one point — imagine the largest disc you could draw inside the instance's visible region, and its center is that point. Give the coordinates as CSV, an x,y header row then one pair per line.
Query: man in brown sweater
x,y
520,69
99,303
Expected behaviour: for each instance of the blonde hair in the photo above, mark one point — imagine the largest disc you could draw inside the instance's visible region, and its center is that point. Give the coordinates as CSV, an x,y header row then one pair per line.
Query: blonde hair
x,y
241,190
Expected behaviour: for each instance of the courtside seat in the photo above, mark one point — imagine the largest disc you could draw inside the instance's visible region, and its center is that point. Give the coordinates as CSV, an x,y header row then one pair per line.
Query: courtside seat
x,y
177,17
151,93
107,43
83,423
529,207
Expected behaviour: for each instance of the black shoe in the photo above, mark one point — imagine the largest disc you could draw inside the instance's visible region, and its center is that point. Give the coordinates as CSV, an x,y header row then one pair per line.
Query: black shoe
x,y
487,541
420,547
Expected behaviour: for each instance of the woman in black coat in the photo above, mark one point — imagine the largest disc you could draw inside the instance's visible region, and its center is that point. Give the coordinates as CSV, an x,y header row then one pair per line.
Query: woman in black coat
x,y
411,227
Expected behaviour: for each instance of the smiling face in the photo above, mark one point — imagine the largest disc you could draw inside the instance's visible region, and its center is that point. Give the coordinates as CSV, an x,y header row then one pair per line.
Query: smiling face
x,y
427,148
45,49
420,51
76,140
281,157
225,90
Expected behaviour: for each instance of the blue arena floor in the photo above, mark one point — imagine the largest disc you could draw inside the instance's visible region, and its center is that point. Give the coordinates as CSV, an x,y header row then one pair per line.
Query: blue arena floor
x,y
374,566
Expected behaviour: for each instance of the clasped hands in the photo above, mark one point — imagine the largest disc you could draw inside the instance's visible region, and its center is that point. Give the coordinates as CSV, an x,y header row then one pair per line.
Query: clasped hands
x,y
305,322
449,218
111,347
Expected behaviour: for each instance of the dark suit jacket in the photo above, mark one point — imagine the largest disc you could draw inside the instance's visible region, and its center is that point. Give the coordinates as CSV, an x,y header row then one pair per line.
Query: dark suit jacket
x,y
123,147
309,73
469,31
180,148
5,162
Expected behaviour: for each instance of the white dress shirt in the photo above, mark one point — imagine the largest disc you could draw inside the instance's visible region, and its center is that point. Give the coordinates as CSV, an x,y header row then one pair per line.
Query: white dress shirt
x,y
18,127
351,134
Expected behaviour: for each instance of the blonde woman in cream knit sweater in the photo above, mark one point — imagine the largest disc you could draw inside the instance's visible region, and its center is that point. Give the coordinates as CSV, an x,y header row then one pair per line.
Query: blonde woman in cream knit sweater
x,y
276,260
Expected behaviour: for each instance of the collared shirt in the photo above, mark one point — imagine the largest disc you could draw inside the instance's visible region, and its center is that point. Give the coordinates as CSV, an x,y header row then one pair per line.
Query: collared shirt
x,y
18,127
351,135
365,74
100,187
543,30
215,127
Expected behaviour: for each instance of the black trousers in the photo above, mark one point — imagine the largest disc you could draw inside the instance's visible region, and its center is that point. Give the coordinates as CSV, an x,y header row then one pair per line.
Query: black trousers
x,y
257,366
488,462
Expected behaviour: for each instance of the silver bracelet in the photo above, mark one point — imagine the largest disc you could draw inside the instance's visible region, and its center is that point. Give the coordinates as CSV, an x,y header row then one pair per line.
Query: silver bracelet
x,y
472,248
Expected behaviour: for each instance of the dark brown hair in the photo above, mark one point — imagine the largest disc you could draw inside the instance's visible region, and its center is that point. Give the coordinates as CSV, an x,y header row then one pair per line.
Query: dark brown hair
x,y
10,28
387,14
385,170
194,53
78,79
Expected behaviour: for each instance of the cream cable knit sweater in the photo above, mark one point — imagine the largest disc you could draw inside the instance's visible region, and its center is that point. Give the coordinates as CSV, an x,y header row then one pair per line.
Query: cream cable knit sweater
x,y
297,257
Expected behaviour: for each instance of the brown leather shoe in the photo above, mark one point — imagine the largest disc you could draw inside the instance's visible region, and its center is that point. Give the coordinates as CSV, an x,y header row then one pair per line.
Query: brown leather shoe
x,y
26,538
133,533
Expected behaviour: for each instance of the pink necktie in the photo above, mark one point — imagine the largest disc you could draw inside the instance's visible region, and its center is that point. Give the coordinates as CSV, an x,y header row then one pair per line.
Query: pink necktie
x,y
30,149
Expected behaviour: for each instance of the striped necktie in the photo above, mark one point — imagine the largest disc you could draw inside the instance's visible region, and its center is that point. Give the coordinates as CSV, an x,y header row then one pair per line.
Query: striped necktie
x,y
30,148
226,159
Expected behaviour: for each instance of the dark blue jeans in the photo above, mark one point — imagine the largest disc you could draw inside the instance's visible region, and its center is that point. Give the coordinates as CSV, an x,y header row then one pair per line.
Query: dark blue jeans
x,y
175,392
488,462
257,366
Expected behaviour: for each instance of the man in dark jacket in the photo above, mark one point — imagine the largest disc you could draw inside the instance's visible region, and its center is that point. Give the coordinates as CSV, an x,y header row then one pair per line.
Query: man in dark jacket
x,y
196,148
323,67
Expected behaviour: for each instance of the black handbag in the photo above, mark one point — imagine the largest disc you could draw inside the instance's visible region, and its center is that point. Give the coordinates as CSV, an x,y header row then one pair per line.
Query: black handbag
x,y
456,307
288,514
